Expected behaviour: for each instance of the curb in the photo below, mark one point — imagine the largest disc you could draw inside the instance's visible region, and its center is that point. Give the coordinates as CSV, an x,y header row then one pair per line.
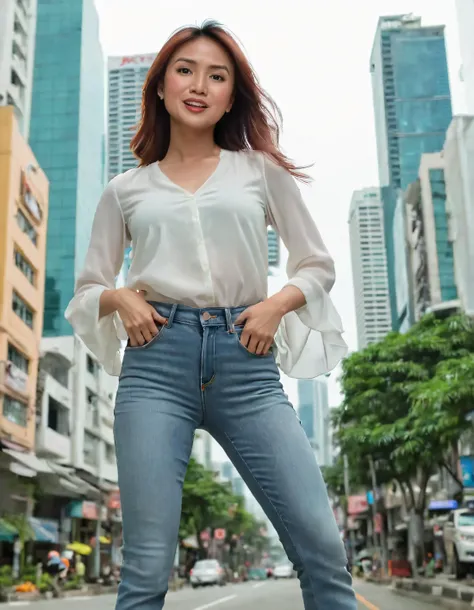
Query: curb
x,y
437,591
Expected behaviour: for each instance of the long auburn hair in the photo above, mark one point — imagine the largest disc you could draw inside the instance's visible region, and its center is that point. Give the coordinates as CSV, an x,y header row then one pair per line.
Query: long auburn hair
x,y
253,123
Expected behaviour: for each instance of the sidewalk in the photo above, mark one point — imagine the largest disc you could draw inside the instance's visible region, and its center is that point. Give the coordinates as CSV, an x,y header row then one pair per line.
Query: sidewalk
x,y
91,589
437,588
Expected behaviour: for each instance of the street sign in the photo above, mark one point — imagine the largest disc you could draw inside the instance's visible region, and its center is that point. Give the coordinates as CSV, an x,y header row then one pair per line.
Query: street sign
x,y
219,534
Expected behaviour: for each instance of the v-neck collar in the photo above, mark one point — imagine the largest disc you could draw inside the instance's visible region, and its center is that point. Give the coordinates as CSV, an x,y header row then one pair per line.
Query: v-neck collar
x,y
203,185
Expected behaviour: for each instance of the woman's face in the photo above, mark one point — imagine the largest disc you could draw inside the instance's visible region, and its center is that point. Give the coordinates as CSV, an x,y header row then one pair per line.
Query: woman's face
x,y
199,84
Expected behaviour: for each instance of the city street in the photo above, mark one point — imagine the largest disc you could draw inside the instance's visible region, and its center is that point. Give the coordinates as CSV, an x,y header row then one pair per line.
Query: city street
x,y
283,595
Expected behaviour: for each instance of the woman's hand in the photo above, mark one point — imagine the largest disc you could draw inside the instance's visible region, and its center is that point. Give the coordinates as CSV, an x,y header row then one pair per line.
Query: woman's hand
x,y
261,323
140,319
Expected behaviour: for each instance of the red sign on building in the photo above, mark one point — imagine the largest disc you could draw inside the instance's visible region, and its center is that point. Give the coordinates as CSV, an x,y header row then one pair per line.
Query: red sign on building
x,y
219,534
357,505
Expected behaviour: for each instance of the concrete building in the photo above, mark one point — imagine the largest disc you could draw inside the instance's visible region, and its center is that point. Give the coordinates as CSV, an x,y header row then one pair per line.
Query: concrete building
x,y
17,46
465,11
75,409
126,77
67,135
412,105
459,176
313,411
369,266
431,250
23,221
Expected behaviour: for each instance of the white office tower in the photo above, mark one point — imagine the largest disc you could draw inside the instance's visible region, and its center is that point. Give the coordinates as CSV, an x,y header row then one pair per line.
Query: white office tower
x,y
465,11
369,266
313,411
17,48
126,76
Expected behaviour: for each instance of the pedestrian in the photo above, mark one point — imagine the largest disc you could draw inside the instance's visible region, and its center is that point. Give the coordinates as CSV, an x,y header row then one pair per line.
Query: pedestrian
x,y
204,343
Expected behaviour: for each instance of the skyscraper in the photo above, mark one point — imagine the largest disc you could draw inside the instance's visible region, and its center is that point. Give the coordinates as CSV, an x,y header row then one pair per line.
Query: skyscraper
x,y
465,10
126,76
369,266
412,106
67,135
313,411
17,47
273,250
431,250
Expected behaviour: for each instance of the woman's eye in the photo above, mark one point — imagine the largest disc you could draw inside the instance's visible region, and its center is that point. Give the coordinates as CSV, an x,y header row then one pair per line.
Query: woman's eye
x,y
184,70
217,77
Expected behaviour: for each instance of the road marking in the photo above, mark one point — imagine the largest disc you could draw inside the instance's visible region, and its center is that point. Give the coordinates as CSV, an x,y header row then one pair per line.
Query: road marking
x,y
258,585
19,603
366,603
79,598
223,600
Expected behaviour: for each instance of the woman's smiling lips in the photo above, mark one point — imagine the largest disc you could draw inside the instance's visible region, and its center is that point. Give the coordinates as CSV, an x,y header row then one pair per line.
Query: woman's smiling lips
x,y
195,105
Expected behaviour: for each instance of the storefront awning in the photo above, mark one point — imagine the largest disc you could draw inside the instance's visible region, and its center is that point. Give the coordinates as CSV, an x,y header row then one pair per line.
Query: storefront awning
x,y
45,530
7,531
30,461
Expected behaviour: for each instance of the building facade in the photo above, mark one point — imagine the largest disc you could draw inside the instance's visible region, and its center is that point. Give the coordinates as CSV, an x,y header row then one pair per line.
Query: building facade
x,y
23,222
67,135
17,47
273,250
465,11
412,105
459,160
369,266
75,409
126,77
431,250
314,413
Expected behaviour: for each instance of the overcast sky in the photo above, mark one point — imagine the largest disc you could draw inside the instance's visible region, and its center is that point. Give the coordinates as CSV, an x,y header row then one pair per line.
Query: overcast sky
x,y
313,58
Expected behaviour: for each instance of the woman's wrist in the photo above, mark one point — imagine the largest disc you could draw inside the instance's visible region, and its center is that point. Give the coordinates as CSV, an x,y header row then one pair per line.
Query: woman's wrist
x,y
288,299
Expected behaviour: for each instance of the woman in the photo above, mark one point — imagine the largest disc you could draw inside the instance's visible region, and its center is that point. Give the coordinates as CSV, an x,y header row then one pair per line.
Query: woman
x,y
204,341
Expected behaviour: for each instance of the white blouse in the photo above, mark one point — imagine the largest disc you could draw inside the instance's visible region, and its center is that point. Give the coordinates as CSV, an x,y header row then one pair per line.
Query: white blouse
x,y
209,249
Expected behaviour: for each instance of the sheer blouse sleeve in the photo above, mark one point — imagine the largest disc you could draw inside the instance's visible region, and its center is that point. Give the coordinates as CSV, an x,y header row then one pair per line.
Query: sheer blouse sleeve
x,y
309,341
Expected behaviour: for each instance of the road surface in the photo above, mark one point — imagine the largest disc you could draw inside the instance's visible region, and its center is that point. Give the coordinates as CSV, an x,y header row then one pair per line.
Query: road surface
x,y
281,595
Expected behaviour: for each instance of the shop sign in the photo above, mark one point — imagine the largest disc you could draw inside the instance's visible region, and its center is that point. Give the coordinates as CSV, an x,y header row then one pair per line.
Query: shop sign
x,y
357,505
378,523
467,470
219,534
83,510
114,500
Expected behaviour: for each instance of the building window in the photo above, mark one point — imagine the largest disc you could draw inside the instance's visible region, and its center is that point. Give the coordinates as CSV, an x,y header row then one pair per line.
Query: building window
x,y
92,415
24,266
109,453
15,411
58,417
21,362
91,446
22,310
26,226
92,366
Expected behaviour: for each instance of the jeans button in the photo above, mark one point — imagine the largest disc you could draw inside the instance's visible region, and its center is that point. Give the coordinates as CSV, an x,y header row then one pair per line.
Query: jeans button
x,y
206,316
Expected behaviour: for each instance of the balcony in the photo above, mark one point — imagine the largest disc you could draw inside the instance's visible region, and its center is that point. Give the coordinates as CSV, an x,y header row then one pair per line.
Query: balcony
x,y
19,66
57,391
50,443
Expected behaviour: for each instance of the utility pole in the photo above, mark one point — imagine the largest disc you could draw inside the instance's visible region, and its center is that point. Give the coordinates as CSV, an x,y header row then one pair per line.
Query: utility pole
x,y
383,542
347,492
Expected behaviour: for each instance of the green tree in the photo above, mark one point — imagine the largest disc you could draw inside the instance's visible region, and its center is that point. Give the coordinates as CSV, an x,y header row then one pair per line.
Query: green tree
x,y
205,502
405,404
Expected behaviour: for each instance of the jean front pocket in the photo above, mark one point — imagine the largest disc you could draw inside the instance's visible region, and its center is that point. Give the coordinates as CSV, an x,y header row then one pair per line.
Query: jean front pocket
x,y
238,334
149,343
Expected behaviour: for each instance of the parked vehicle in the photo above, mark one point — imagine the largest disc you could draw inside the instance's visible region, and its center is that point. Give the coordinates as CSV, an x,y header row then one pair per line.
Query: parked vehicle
x,y
207,572
283,570
458,538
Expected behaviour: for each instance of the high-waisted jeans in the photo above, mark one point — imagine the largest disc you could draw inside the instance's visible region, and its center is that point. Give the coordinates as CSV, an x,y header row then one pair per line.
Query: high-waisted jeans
x,y
196,374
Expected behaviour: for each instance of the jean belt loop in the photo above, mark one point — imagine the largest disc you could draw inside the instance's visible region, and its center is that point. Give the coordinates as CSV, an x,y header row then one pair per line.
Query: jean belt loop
x,y
228,319
174,307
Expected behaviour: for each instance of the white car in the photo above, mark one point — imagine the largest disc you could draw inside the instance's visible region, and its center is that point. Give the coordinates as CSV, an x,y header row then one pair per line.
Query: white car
x,y
207,572
283,570
458,534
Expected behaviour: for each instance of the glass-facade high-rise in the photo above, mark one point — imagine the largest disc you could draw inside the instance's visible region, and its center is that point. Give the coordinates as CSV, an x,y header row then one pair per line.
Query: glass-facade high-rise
x,y
313,411
412,104
67,135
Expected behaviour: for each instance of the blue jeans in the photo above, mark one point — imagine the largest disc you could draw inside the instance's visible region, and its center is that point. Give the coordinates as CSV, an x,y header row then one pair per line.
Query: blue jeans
x,y
196,374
